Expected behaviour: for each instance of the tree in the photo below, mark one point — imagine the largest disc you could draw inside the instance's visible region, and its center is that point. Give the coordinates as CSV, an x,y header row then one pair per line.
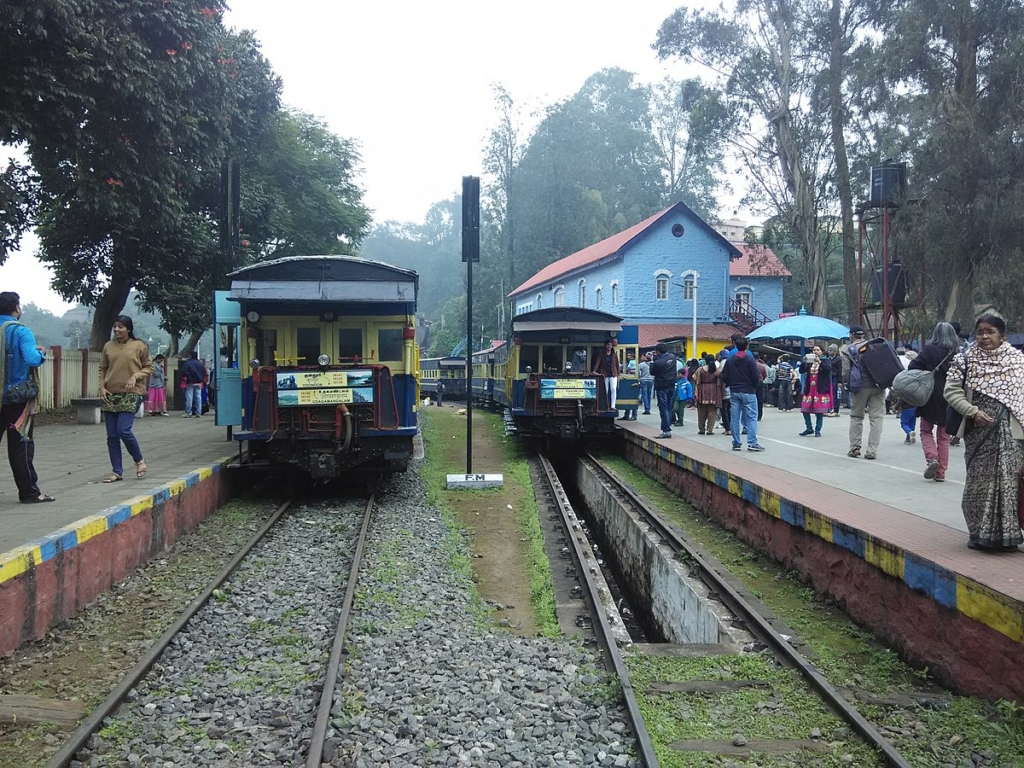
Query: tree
x,y
951,72
502,155
689,122
759,55
125,110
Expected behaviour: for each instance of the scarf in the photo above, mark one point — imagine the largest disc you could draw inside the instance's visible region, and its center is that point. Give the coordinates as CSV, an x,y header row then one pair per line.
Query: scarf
x,y
998,374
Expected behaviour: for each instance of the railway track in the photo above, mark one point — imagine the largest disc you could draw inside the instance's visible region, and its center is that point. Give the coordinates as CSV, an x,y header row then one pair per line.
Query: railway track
x,y
96,741
757,624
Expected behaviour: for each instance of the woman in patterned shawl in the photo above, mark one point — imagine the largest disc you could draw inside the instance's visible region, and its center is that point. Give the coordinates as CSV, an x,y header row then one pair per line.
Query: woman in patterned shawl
x,y
994,375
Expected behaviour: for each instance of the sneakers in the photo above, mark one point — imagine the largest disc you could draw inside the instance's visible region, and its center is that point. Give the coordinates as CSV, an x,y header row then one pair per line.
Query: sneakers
x,y
700,431
806,432
932,471
869,456
817,434
664,436
907,440
186,415
737,447
913,437
954,440
755,448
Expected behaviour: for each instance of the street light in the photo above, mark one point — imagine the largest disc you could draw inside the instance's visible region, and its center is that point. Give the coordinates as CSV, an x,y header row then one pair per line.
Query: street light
x,y
693,277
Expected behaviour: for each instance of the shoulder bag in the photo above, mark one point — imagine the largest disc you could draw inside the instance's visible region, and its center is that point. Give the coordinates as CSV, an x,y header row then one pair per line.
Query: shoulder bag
x,y
956,423
25,390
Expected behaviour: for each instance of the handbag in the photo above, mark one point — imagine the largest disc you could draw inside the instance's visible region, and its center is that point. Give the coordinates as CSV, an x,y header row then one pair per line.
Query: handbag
x,y
956,424
23,391
914,386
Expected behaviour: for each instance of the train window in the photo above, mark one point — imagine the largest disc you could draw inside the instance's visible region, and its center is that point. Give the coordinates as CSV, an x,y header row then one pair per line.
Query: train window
x,y
350,344
529,356
389,342
307,344
266,346
553,358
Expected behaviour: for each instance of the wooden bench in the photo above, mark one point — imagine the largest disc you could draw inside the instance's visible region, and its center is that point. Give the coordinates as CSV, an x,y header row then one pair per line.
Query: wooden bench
x,y
88,409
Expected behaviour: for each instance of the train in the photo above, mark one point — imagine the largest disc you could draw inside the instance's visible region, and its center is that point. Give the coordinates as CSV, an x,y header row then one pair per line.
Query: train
x,y
317,371
541,375
451,370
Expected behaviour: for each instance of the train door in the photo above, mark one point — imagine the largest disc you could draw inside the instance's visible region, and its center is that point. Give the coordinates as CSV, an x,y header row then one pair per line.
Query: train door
x,y
227,373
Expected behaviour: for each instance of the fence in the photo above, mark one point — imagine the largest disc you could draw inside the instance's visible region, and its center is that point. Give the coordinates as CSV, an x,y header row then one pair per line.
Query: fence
x,y
68,374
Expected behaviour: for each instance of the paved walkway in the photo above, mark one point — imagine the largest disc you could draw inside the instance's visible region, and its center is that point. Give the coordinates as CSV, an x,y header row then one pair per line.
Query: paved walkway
x,y
895,478
71,460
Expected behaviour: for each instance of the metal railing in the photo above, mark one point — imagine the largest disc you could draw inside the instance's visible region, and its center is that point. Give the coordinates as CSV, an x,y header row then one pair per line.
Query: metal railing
x,y
749,311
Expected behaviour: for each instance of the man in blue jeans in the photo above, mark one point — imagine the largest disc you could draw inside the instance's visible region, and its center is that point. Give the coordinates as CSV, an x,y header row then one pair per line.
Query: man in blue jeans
x,y
742,376
663,369
195,374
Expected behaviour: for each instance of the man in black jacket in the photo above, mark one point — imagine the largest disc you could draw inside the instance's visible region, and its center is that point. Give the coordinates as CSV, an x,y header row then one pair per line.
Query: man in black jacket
x,y
742,377
663,369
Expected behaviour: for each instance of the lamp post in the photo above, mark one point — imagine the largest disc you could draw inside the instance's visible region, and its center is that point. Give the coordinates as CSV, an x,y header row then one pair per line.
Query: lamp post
x,y
695,278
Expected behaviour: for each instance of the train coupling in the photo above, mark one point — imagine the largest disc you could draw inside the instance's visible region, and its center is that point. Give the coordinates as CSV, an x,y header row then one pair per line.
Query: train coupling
x,y
323,465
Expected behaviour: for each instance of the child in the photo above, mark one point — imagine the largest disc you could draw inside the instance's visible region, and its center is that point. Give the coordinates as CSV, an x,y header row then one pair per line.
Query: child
x,y
684,394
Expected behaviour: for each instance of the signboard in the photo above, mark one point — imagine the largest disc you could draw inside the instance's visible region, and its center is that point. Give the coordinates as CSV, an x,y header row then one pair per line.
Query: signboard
x,y
324,387
568,389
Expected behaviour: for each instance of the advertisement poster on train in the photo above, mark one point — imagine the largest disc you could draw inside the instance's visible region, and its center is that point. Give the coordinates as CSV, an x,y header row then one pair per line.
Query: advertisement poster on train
x,y
324,387
568,389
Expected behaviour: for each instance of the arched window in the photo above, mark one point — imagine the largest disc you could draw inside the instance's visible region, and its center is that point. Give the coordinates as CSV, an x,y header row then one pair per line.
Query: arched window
x,y
560,296
688,285
597,297
540,301
661,289
615,293
583,292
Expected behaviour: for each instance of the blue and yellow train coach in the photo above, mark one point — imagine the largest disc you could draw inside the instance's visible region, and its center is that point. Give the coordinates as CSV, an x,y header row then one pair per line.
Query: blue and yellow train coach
x,y
544,375
318,365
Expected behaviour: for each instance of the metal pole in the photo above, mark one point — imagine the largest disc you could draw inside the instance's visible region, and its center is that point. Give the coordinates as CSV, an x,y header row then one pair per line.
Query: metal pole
x,y
693,355
469,367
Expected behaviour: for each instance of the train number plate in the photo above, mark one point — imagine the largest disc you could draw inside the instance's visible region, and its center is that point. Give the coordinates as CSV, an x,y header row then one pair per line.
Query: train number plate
x,y
568,389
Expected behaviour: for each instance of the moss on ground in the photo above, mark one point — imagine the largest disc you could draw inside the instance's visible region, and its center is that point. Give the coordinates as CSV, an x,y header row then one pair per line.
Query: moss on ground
x,y
960,732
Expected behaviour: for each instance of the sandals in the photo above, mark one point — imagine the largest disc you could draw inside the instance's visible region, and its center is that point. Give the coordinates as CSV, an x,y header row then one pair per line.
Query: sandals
x,y
140,469
40,499
113,479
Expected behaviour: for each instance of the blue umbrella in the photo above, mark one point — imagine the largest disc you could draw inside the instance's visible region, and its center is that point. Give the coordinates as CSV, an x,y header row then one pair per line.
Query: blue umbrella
x,y
801,327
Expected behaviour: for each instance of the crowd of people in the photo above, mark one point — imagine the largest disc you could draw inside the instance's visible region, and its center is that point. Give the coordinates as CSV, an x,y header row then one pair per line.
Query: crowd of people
x,y
977,395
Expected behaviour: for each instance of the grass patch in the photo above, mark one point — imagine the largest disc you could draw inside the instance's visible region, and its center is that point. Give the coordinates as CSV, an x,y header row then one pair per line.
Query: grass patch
x,y
445,452
848,655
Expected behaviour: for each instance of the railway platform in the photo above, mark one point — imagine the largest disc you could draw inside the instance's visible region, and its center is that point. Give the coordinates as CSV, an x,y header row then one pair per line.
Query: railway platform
x,y
887,545
56,557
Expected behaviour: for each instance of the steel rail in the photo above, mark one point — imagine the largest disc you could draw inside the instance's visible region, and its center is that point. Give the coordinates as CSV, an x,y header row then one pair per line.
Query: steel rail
x,y
91,724
601,628
757,623
323,713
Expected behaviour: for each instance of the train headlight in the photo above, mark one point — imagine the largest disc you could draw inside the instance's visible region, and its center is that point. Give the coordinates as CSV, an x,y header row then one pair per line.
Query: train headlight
x,y
324,360
529,369
254,363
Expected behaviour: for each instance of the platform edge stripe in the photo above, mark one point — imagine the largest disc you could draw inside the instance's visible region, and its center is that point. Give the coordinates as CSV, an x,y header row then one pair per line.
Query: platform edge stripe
x,y
92,525
19,560
770,502
818,524
175,487
192,478
140,504
999,612
931,579
735,485
886,557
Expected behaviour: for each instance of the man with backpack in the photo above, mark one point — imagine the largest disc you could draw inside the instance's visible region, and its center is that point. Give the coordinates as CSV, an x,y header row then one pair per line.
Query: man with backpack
x,y
867,397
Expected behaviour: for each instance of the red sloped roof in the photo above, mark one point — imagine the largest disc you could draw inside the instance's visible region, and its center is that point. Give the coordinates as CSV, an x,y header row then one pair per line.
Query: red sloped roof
x,y
757,261
609,247
649,335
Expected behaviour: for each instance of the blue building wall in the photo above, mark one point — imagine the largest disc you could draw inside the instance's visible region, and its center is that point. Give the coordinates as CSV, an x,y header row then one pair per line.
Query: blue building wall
x,y
658,252
766,293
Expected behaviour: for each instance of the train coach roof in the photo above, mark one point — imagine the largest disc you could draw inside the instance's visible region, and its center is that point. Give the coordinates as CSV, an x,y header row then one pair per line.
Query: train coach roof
x,y
336,278
566,318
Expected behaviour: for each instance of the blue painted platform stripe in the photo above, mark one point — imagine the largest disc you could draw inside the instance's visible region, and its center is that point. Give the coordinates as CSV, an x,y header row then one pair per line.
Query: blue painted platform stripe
x,y
848,538
752,492
931,579
34,553
791,513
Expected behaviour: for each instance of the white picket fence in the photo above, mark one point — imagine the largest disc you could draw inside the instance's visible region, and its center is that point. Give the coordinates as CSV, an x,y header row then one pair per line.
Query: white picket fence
x,y
61,377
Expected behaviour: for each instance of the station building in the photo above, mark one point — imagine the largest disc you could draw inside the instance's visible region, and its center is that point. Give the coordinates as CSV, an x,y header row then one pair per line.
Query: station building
x,y
658,274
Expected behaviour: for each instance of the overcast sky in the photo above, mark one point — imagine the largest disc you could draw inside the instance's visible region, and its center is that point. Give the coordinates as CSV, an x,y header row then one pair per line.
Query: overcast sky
x,y
410,82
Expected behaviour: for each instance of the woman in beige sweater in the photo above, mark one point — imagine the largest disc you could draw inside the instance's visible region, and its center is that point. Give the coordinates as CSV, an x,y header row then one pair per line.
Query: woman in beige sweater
x,y
124,372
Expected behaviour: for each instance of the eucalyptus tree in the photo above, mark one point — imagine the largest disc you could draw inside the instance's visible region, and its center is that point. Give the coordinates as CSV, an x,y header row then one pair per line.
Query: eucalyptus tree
x,y
689,124
952,75
590,169
759,55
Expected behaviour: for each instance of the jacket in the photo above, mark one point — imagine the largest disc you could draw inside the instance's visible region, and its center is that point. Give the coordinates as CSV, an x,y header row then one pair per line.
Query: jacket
x,y
741,374
599,363
824,376
122,361
21,353
664,371
195,371
708,387
934,358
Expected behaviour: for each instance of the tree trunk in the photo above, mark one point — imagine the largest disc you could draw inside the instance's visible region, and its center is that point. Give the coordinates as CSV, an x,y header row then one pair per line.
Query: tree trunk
x,y
837,50
186,351
109,305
